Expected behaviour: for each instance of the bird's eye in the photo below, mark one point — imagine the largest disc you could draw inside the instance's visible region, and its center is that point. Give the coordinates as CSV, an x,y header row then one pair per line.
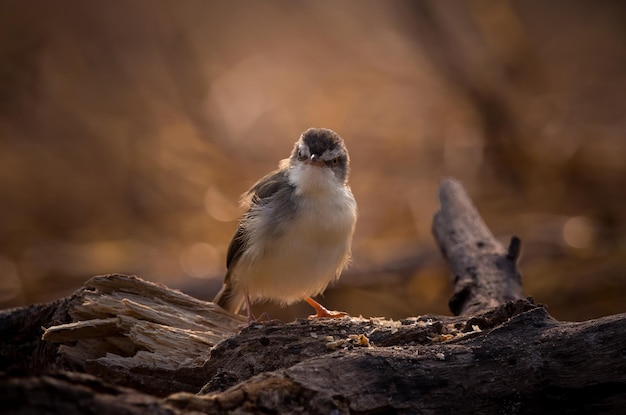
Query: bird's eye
x,y
334,161
301,155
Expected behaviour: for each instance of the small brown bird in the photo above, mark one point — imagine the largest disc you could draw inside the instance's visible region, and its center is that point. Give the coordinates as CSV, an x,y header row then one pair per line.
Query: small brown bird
x,y
296,235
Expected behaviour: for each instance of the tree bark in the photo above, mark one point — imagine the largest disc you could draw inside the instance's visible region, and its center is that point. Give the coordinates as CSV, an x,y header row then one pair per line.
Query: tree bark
x,y
124,345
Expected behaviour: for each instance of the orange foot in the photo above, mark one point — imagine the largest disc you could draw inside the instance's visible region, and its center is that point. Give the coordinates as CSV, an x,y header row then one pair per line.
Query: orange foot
x,y
323,312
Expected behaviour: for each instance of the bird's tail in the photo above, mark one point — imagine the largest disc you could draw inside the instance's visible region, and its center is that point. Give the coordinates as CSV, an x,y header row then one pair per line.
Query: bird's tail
x,y
229,299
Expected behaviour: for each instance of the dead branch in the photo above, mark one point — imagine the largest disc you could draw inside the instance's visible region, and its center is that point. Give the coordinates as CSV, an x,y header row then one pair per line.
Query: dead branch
x,y
484,274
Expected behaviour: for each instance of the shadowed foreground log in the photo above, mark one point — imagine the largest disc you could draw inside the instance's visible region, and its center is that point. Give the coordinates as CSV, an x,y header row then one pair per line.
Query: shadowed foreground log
x,y
180,355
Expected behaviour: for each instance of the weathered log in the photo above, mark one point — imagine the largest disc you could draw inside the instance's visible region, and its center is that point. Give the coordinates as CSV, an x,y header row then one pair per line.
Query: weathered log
x,y
140,334
529,364
181,355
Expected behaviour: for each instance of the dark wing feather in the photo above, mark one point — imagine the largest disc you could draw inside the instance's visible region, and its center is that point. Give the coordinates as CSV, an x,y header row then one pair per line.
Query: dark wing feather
x,y
235,249
265,188
258,194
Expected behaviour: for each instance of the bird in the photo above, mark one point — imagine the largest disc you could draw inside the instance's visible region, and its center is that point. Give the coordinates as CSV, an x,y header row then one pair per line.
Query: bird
x,y
296,234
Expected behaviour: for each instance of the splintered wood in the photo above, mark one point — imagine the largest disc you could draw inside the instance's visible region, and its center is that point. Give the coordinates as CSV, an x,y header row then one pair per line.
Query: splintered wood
x,y
124,321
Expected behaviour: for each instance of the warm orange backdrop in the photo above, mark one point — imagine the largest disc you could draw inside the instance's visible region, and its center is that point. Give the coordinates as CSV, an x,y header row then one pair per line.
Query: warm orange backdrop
x,y
128,130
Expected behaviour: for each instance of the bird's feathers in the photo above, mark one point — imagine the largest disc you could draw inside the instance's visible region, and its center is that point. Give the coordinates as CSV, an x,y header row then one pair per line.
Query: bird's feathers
x,y
296,234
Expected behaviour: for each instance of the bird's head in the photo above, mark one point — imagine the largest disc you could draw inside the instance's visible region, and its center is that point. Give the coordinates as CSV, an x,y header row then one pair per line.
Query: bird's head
x,y
321,148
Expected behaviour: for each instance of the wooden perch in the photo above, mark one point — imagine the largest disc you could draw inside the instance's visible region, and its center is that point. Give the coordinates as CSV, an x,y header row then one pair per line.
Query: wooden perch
x,y
500,354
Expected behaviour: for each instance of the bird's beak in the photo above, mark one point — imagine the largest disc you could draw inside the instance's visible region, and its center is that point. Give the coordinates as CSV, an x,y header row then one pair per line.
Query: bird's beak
x,y
316,160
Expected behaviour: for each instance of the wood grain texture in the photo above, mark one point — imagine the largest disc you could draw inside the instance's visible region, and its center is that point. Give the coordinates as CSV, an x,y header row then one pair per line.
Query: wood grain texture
x,y
133,332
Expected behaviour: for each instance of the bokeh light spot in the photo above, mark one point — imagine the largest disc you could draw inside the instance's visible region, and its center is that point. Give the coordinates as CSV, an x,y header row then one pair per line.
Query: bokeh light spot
x,y
218,206
199,260
579,232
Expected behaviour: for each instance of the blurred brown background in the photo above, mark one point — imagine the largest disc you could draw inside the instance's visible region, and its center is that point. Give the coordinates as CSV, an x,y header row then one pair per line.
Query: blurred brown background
x,y
128,130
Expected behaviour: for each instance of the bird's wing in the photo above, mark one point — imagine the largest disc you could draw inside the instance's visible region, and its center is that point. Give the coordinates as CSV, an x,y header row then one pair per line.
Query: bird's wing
x,y
265,188
235,249
259,194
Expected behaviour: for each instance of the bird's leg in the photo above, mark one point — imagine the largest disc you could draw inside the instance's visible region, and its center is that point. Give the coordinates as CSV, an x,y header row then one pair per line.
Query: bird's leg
x,y
251,317
323,312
